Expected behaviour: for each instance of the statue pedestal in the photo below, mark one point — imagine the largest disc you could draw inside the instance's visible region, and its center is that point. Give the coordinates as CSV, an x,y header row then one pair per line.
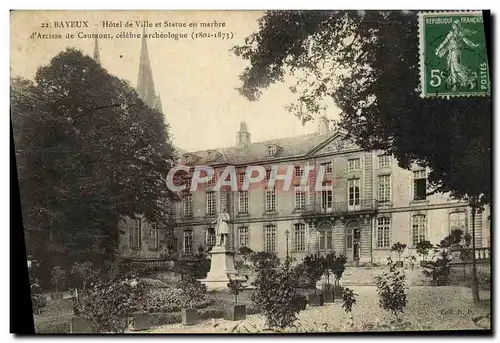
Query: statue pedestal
x,y
221,267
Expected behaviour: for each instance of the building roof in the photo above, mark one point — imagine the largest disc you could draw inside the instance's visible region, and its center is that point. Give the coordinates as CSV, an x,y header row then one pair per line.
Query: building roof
x,y
288,147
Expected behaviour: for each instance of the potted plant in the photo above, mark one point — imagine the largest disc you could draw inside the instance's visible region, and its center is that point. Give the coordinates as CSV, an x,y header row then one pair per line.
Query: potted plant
x,y
191,290
338,268
235,312
399,248
439,269
423,248
58,276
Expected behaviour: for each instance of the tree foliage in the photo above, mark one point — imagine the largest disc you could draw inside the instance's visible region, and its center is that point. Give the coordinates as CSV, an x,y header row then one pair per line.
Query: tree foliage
x,y
89,152
367,64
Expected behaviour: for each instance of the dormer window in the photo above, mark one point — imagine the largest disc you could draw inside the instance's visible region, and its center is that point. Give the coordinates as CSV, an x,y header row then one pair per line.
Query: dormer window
x,y
272,150
211,156
190,158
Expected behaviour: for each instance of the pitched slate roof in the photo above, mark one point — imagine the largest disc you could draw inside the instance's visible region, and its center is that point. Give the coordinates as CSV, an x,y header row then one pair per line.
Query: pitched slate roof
x,y
296,146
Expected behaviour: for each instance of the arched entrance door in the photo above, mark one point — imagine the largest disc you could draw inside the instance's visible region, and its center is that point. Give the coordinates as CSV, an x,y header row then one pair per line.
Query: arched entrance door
x,y
325,232
352,241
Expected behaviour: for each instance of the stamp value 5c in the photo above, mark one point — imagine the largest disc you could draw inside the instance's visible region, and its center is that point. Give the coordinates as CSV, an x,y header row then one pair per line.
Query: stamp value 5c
x,y
453,58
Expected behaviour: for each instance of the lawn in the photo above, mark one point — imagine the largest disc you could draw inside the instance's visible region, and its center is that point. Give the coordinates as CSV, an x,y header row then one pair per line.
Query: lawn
x,y
429,308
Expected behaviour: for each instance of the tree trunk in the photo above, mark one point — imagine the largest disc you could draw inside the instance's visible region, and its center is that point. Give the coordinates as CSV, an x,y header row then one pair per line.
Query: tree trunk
x,y
475,282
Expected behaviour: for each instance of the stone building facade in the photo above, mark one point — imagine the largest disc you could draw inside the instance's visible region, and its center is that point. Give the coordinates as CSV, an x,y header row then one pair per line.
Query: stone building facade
x,y
366,204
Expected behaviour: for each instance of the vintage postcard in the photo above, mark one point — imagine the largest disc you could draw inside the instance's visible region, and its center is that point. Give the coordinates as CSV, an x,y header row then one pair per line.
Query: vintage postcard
x,y
254,171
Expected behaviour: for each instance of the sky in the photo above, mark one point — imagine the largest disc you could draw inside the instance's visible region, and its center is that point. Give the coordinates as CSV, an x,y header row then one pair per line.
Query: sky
x,y
196,79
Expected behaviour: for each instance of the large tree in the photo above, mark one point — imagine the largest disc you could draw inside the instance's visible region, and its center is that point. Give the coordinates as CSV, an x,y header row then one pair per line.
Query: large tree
x,y
89,152
367,64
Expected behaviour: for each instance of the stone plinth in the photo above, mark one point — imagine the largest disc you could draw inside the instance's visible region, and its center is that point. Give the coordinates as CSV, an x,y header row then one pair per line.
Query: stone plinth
x,y
221,268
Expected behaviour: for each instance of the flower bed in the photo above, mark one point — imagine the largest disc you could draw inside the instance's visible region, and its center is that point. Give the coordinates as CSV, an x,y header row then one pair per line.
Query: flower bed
x,y
170,299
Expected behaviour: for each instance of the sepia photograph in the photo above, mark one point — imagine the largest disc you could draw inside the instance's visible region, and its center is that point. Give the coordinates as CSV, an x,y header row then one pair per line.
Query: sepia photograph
x,y
252,171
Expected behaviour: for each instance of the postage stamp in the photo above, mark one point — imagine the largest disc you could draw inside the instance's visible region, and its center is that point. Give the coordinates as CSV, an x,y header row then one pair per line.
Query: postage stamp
x,y
453,58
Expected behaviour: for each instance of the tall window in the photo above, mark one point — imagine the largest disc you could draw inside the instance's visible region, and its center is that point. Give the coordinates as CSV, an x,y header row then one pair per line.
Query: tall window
x,y
300,197
213,180
353,164
241,178
384,161
327,196
188,242
458,221
153,237
270,238
299,237
269,171
419,185
211,203
187,182
328,167
243,236
270,200
326,239
354,193
384,189
210,237
419,228
188,205
299,171
243,201
135,234
383,232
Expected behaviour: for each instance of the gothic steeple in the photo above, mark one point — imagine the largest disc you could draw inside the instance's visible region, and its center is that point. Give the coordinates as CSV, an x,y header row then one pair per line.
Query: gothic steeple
x,y
96,52
145,84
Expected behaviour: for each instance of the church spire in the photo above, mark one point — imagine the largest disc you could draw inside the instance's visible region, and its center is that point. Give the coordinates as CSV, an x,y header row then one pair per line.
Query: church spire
x,y
96,52
145,84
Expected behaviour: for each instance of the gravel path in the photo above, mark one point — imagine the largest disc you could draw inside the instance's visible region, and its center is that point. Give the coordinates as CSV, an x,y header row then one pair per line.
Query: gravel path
x,y
429,308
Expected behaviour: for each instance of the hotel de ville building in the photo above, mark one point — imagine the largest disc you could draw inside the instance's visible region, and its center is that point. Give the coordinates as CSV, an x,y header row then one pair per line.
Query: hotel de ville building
x,y
366,203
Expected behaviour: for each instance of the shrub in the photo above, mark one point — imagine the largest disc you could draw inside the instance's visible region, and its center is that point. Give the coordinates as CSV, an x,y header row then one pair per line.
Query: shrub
x,y
310,270
399,248
302,276
245,252
264,259
348,300
58,277
454,238
192,291
423,248
391,290
38,300
154,283
338,267
107,304
275,294
197,266
170,299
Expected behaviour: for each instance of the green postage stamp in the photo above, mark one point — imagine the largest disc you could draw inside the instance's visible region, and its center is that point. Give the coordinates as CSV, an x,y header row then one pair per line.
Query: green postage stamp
x,y
453,58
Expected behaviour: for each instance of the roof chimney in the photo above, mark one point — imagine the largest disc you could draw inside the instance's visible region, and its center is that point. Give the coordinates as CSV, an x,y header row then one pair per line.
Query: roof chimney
x,y
243,136
323,125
